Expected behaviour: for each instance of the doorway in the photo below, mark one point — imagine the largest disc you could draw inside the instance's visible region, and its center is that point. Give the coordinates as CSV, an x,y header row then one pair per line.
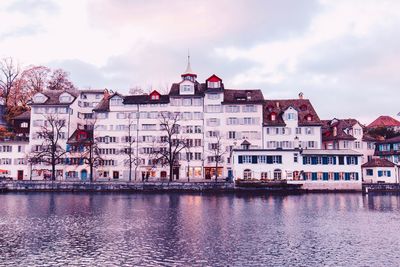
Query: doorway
x,y
83,175
20,175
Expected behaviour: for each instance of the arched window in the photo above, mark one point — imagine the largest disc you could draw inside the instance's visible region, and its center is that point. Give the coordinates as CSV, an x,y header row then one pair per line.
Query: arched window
x,y
277,174
247,174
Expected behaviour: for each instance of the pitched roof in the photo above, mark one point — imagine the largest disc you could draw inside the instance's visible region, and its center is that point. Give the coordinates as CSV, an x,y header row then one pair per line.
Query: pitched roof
x,y
384,121
145,99
80,136
342,126
243,96
198,90
53,97
378,162
278,107
103,105
395,139
23,116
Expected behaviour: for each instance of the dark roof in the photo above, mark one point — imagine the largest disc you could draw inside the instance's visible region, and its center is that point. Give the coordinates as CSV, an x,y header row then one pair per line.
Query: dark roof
x,y
198,90
384,121
369,138
342,126
92,91
54,95
277,107
243,96
395,139
75,137
145,99
378,162
23,116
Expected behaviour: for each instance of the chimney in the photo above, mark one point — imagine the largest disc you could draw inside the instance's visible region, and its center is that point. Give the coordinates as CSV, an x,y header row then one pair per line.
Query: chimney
x,y
301,95
277,104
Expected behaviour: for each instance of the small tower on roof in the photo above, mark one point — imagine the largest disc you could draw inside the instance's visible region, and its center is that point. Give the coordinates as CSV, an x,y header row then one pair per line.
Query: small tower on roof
x,y
189,74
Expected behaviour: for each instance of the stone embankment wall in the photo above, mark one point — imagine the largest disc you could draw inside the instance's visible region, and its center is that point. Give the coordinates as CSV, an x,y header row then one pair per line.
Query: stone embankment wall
x,y
380,187
116,186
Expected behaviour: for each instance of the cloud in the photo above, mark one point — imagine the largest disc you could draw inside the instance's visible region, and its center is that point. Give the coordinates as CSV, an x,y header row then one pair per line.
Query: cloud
x,y
342,54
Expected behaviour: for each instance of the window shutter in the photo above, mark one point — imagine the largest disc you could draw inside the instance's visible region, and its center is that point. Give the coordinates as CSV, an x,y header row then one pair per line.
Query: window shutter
x,y
325,160
356,160
304,160
240,159
254,159
388,173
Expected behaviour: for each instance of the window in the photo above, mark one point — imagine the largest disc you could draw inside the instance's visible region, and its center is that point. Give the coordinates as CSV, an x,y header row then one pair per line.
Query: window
x,y
247,174
370,172
116,101
214,84
309,130
213,108
213,133
149,127
249,108
232,109
295,157
291,116
197,102
197,115
101,115
232,135
298,130
246,159
186,102
232,121
277,174
197,129
213,96
213,122
121,115
24,125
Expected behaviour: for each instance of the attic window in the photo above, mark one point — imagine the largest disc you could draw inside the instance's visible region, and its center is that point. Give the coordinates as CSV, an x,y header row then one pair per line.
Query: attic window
x,y
214,84
241,98
155,97
273,116
65,99
39,99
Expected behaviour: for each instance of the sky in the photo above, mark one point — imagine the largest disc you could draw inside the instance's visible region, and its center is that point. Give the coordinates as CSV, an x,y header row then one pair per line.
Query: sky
x,y
344,55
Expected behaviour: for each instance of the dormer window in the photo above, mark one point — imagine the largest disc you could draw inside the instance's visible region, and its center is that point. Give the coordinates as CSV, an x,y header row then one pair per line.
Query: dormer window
x,y
24,125
155,97
273,116
291,116
116,101
186,88
39,98
214,84
65,98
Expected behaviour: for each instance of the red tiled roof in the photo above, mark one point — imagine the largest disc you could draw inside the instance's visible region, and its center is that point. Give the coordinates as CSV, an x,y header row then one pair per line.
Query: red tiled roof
x,y
384,121
341,127
377,162
277,107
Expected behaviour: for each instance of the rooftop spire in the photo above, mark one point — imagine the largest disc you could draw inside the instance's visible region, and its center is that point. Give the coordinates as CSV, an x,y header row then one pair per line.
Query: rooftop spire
x,y
188,68
188,74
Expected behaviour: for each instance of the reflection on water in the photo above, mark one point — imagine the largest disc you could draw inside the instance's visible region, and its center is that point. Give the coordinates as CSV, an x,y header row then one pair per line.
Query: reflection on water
x,y
199,230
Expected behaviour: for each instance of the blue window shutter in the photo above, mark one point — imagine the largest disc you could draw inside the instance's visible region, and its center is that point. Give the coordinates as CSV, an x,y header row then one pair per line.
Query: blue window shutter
x,y
240,159
389,173
68,148
380,173
356,160
254,159
325,160
269,159
314,160
356,176
314,176
336,176
334,160
347,160
304,160
325,176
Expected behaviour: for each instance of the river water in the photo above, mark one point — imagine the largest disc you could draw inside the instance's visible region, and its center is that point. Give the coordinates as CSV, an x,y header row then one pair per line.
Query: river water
x,y
47,229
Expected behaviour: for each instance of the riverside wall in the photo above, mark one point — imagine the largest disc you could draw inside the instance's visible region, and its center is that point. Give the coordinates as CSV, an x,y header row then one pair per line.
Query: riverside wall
x,y
76,186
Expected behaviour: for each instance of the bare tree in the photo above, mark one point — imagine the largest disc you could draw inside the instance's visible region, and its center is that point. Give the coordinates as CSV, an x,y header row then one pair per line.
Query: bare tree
x,y
132,158
50,151
59,80
171,143
9,72
217,152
